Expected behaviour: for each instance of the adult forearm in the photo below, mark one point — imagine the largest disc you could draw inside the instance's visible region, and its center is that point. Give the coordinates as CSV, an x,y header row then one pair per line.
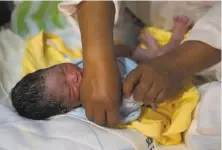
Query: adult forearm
x,y
96,20
194,56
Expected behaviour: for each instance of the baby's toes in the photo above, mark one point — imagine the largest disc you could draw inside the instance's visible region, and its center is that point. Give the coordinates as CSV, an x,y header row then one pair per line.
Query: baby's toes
x,y
189,23
182,19
175,18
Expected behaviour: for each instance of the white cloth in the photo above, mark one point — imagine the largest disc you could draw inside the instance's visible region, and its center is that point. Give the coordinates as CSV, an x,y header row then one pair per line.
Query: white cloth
x,y
209,114
205,130
123,26
11,54
63,133
73,3
160,13
196,141
208,28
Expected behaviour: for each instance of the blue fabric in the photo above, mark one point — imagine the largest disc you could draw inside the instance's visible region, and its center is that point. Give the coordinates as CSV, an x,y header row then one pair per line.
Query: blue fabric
x,y
129,110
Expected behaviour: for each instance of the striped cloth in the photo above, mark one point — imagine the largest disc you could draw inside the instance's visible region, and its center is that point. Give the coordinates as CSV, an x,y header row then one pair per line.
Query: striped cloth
x,y
31,17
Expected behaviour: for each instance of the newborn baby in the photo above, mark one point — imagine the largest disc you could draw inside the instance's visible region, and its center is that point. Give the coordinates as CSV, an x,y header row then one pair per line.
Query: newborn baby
x,y
56,90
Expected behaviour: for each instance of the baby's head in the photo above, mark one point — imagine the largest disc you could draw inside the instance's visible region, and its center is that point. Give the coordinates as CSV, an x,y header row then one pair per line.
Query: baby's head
x,y
48,92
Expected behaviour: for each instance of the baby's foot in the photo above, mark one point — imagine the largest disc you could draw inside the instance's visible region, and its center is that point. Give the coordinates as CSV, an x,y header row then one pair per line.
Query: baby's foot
x,y
147,39
181,25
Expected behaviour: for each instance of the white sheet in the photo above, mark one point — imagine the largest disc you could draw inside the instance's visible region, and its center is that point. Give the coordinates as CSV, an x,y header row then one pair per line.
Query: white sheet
x,y
11,52
62,133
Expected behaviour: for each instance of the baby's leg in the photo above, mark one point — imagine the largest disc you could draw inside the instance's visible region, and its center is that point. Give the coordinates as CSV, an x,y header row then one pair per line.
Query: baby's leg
x,y
136,53
140,54
180,27
149,41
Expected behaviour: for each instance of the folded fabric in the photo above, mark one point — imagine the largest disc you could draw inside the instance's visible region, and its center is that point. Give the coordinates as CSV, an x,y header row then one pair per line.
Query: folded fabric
x,y
170,119
45,50
165,124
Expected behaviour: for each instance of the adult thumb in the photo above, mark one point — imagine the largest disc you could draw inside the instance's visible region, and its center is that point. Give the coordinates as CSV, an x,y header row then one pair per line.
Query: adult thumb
x,y
130,81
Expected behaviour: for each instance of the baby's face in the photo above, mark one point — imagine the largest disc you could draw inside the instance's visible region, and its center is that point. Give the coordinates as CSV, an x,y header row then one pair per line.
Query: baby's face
x,y
63,82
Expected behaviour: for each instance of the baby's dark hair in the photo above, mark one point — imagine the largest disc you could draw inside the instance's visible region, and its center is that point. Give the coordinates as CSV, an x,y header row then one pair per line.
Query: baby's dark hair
x,y
30,100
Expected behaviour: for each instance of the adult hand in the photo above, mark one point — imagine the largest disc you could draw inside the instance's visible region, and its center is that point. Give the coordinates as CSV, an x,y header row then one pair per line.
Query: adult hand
x,y
100,95
153,81
156,80
100,90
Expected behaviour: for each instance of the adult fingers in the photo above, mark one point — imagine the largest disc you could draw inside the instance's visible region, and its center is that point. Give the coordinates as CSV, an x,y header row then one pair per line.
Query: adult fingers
x,y
160,96
141,89
152,93
113,117
131,79
89,113
100,116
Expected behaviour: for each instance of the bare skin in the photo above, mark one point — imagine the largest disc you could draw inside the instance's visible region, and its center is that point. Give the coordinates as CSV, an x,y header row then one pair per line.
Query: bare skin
x,y
100,89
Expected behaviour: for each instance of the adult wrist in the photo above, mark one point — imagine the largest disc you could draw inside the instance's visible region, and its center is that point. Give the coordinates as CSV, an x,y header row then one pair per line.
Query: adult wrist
x,y
195,56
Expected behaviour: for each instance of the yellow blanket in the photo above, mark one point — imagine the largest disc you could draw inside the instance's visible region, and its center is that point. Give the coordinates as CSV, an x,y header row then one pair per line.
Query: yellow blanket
x,y
165,125
45,50
162,36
